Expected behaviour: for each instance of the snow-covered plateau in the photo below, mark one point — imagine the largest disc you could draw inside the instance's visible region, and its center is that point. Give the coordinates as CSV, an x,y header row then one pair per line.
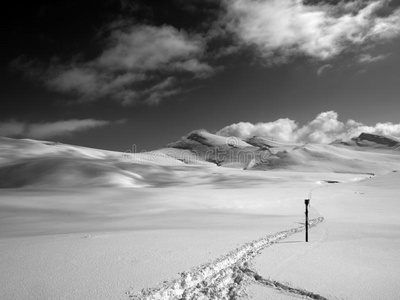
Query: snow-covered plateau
x,y
206,217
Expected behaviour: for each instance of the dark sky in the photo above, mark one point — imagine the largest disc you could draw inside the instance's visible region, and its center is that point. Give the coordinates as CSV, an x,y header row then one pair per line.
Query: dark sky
x,y
113,73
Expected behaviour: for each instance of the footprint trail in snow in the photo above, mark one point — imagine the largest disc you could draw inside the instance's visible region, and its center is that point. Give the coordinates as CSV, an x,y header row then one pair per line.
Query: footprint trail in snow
x,y
225,277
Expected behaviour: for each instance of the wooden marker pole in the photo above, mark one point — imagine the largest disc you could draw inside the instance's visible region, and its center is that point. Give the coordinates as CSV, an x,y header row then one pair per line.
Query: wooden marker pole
x,y
306,202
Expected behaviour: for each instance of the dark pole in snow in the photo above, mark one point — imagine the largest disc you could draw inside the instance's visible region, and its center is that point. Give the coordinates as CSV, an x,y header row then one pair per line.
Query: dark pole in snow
x,y
306,202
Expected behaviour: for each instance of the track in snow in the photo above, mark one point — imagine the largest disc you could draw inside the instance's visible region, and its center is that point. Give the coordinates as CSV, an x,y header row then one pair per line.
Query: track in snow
x,y
223,278
280,286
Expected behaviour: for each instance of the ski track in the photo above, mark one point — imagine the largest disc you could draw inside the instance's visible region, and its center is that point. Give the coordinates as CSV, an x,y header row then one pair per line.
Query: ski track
x,y
280,286
223,278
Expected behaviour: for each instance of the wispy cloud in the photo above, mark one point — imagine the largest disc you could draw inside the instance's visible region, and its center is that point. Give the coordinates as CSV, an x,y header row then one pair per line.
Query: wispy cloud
x,y
136,60
282,29
324,69
324,128
367,58
147,48
14,128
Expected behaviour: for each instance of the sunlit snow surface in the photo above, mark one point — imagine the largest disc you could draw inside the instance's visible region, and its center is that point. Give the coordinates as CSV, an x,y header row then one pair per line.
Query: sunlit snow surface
x,y
80,223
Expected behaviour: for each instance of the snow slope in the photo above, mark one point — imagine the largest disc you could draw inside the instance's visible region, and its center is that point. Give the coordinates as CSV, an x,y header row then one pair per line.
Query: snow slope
x,y
69,231
352,255
372,141
196,155
261,153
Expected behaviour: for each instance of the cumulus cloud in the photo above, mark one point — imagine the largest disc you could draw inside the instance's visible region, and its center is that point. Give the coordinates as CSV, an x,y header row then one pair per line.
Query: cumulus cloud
x,y
325,128
135,60
282,29
280,129
14,128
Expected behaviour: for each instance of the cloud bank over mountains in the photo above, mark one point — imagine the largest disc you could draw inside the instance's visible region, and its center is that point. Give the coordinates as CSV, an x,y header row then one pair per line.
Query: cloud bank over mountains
x,y
325,128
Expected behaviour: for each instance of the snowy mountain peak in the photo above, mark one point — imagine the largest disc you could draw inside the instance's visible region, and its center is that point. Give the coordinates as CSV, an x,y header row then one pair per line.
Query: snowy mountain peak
x,y
379,139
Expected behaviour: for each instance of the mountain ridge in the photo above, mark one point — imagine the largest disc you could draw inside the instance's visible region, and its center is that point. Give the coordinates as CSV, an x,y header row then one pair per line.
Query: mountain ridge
x,y
195,158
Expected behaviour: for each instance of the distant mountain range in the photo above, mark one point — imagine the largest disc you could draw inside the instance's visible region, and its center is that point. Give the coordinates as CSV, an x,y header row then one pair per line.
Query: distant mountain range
x,y
197,158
